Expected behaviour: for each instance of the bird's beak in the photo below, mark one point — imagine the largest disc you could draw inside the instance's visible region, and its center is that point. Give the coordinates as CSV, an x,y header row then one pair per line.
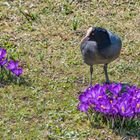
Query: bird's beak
x,y
89,31
84,39
87,34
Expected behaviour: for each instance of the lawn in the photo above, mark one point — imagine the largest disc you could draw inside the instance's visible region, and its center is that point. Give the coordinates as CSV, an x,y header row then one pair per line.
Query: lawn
x,y
45,36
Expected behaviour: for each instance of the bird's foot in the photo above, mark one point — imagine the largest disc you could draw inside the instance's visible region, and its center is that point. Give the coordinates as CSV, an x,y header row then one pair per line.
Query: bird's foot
x,y
90,85
107,82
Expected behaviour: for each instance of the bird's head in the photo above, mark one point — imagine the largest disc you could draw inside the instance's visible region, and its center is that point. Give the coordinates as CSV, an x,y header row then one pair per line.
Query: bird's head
x,y
100,35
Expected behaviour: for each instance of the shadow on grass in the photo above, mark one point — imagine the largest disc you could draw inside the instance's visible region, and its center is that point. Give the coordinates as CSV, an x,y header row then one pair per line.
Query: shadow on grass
x,y
129,133
15,80
130,130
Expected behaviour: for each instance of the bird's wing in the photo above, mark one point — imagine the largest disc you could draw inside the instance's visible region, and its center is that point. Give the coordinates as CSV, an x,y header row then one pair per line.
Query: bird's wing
x,y
88,46
113,50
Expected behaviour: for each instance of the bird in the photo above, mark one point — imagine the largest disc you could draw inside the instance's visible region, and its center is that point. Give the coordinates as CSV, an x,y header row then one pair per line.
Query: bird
x,y
100,46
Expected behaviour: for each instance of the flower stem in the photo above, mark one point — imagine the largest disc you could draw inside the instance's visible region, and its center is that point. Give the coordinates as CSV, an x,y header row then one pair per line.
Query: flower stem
x,y
18,80
89,118
123,120
107,120
2,73
113,120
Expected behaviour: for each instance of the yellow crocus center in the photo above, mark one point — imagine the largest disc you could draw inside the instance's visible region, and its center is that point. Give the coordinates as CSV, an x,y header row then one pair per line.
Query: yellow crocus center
x,y
138,105
123,109
100,97
103,107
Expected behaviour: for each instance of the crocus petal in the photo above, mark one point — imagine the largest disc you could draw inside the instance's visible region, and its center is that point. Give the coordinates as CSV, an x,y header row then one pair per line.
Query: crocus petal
x,y
16,63
2,63
12,65
83,107
18,71
2,53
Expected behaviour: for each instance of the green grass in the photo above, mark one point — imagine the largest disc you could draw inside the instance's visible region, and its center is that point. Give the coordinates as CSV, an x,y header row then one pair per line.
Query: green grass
x,y
45,35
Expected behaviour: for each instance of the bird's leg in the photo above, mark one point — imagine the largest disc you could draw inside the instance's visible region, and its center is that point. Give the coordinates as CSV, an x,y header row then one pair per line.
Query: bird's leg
x,y
91,71
106,74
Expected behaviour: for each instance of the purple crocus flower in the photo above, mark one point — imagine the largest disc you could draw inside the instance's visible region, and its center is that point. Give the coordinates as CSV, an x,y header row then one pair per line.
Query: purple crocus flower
x,y
83,107
83,98
98,92
126,110
3,62
115,89
132,90
99,89
125,103
17,71
12,65
2,53
114,106
103,106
